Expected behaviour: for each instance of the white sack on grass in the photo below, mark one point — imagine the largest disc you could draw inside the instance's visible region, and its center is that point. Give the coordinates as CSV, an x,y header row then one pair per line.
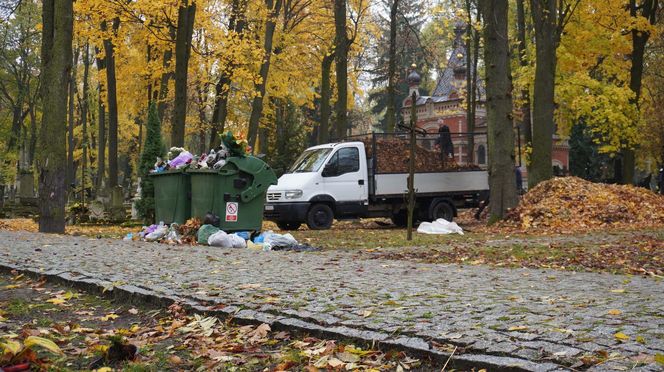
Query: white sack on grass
x,y
440,226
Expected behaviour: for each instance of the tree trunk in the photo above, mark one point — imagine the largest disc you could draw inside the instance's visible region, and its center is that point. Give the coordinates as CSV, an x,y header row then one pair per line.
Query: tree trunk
x,y
165,78
56,60
544,14
111,90
71,168
17,120
341,54
325,96
186,16
257,104
32,146
236,23
526,124
502,181
470,86
84,116
648,10
391,113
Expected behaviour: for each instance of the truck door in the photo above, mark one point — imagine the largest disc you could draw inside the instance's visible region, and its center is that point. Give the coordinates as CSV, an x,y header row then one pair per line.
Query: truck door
x,y
344,180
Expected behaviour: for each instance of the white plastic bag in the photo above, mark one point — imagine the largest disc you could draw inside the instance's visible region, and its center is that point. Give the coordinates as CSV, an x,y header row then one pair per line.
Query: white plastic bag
x,y
237,241
219,239
279,240
440,226
223,240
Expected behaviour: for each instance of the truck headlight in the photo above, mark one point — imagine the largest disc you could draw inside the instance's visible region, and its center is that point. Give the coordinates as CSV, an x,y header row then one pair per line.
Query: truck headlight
x,y
293,194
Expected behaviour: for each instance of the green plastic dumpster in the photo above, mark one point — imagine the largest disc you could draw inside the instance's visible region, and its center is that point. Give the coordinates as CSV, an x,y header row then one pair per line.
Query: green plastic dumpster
x,y
172,196
235,193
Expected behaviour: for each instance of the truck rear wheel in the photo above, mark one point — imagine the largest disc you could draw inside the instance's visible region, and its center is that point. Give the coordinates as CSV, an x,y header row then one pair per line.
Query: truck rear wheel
x,y
320,217
289,226
400,219
442,209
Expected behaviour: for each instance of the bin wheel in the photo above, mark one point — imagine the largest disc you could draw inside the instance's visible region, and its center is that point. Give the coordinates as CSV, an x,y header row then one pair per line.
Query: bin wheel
x,y
442,209
320,217
289,226
400,219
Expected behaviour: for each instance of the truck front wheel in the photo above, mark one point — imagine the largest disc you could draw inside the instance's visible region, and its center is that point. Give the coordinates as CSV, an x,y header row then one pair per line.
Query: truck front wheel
x,y
320,217
289,226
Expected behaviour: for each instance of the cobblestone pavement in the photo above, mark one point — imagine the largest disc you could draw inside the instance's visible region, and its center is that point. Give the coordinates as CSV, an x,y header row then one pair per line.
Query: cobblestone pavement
x,y
552,318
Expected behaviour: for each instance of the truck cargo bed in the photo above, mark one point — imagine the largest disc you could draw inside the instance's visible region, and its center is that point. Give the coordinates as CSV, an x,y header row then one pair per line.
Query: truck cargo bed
x,y
432,183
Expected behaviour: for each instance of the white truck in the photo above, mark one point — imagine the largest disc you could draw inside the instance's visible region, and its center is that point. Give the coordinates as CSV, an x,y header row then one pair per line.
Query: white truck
x,y
339,181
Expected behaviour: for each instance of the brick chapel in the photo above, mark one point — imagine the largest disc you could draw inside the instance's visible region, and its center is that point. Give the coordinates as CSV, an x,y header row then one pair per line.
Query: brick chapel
x,y
445,106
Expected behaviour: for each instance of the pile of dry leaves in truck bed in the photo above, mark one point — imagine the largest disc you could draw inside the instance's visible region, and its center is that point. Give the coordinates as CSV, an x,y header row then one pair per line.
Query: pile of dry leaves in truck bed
x,y
393,158
572,204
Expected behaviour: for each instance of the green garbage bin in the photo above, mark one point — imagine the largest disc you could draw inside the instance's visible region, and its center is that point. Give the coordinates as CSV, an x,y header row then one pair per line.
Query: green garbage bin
x,y
235,193
172,196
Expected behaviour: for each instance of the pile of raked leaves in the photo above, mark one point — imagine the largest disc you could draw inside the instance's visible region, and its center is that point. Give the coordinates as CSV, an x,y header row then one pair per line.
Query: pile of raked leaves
x,y
572,204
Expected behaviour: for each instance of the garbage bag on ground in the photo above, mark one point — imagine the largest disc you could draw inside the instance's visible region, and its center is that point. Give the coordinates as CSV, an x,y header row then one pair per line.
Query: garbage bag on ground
x,y
223,240
243,234
238,241
278,240
211,219
440,226
205,232
157,234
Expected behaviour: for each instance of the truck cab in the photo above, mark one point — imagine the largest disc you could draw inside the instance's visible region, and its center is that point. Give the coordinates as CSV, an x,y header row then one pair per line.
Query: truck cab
x,y
326,182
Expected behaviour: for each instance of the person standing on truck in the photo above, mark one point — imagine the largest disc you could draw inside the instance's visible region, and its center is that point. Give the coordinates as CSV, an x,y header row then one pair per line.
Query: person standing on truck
x,y
444,143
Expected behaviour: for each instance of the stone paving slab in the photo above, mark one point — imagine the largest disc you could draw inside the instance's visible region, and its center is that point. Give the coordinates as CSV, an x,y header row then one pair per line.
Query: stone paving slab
x,y
524,319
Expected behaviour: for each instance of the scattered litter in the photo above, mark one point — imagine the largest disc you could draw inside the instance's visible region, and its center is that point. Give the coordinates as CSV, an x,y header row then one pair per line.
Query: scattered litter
x,y
158,233
296,248
205,232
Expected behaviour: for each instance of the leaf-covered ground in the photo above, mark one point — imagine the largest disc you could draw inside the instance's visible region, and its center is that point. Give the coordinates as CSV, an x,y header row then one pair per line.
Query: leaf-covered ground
x,y
628,253
85,326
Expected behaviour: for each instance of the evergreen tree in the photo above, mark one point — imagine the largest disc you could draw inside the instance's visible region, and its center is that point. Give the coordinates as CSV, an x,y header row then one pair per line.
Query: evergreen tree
x,y
288,140
153,148
410,19
585,160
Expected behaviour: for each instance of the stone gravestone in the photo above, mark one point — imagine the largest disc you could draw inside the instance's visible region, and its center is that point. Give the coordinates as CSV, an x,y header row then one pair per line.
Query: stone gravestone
x,y
117,210
26,185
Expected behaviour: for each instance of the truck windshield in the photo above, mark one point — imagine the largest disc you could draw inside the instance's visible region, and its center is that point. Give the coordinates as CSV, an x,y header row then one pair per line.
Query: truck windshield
x,y
310,161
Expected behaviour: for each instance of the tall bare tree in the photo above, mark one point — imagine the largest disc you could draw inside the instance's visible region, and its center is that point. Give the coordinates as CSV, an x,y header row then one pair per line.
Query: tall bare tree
x,y
391,113
112,98
526,123
184,34
236,24
502,181
549,18
71,121
56,60
648,9
341,46
274,7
